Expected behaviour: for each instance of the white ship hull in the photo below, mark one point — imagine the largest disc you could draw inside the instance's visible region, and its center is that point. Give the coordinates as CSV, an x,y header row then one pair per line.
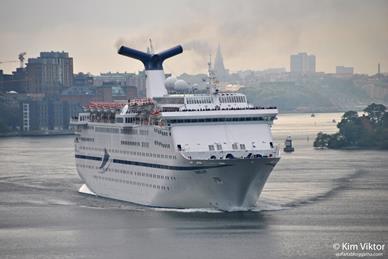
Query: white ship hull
x,y
237,184
163,177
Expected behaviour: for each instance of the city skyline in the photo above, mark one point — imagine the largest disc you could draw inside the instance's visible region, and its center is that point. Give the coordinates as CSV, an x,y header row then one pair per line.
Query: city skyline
x,y
262,35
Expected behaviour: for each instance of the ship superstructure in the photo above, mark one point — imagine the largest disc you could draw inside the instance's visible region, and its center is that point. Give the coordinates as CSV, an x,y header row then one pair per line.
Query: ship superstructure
x,y
179,150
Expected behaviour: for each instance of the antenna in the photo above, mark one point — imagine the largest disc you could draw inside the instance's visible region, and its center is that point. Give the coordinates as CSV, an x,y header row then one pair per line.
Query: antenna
x,y
212,77
209,64
151,47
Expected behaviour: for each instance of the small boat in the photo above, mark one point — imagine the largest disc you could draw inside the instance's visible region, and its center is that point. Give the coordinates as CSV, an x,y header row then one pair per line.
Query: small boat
x,y
333,121
312,114
288,145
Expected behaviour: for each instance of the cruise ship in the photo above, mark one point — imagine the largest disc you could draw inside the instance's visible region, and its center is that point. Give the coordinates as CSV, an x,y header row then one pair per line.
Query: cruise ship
x,y
212,150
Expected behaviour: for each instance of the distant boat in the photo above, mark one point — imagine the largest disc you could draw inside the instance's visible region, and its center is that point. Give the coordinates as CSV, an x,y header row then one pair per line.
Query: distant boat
x,y
288,145
312,115
333,121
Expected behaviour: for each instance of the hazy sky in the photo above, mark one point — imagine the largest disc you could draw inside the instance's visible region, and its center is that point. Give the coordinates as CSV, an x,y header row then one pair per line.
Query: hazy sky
x,y
254,34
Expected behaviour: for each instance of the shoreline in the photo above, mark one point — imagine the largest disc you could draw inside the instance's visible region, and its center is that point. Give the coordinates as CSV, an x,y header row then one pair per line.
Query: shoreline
x,y
37,134
353,148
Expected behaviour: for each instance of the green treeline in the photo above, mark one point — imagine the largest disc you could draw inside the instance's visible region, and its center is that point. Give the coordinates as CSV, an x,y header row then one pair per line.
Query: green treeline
x,y
367,131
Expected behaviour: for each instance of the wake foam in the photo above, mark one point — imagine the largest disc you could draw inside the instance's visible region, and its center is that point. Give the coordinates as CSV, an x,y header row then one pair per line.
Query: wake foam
x,y
84,189
262,205
339,185
194,210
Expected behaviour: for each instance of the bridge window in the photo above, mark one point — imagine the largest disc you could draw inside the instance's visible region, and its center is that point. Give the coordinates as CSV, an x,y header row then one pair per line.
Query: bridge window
x,y
242,146
211,147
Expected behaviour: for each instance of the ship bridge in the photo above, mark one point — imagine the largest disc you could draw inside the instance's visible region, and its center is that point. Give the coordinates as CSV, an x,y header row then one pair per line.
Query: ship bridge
x,y
203,131
217,101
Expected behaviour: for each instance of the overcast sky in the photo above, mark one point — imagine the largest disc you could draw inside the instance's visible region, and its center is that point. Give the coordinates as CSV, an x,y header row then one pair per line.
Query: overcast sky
x,y
253,34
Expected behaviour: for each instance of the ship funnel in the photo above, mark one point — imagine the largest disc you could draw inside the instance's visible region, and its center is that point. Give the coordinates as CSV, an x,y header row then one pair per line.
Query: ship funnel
x,y
153,64
151,61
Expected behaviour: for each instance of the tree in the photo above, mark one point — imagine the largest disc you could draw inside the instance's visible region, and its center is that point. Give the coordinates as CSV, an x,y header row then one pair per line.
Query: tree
x,y
349,116
385,121
375,113
322,140
336,141
351,127
359,132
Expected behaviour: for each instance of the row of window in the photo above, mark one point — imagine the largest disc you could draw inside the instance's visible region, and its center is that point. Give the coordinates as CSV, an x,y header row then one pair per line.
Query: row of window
x,y
199,100
88,166
130,143
133,153
106,130
143,132
154,186
86,139
129,131
158,143
235,146
219,147
220,120
127,119
135,143
125,172
232,99
146,154
161,132
142,174
132,131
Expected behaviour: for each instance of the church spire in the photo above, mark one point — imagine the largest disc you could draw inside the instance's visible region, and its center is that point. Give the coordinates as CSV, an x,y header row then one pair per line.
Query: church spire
x,y
219,67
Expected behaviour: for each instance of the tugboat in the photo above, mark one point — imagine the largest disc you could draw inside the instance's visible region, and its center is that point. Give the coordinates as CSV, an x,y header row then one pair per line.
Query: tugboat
x,y
288,145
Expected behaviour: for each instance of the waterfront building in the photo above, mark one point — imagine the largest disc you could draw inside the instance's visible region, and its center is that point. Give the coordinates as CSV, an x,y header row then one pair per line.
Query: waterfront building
x,y
302,63
50,73
342,70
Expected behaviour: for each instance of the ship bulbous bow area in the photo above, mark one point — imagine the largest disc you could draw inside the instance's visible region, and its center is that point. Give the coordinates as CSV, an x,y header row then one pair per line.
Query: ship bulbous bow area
x,y
151,61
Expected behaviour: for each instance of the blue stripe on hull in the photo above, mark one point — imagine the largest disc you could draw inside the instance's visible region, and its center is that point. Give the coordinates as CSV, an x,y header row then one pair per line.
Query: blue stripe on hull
x,y
159,166
95,158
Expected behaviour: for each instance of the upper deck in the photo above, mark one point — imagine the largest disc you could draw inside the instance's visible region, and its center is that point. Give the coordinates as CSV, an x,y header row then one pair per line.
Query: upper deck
x,y
177,109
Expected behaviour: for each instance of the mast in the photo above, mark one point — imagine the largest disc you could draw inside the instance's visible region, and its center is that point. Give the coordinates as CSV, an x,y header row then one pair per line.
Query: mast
x,y
212,77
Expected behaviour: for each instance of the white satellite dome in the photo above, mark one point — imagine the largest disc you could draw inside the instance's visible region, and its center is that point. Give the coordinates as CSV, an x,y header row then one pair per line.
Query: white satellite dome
x,y
170,82
181,85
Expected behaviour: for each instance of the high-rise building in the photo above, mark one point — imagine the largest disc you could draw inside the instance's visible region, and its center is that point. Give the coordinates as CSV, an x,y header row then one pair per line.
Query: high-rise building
x,y
342,70
50,73
219,67
45,114
302,63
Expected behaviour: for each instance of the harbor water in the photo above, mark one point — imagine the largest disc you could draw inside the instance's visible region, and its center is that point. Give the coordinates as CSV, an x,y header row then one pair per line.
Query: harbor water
x,y
314,202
